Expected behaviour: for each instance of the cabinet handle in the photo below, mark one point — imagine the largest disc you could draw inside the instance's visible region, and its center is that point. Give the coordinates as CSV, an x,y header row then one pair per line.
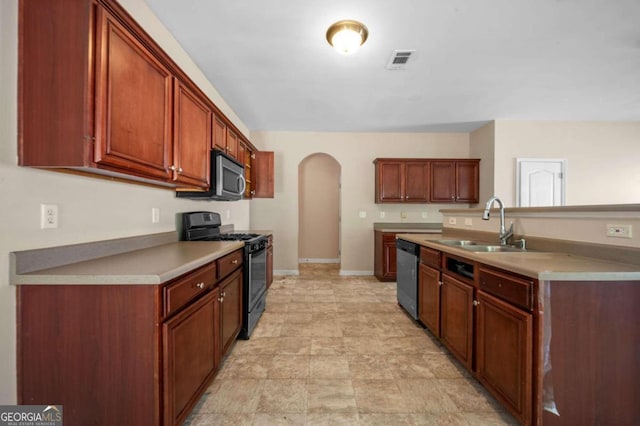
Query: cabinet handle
x,y
220,299
440,283
253,192
172,168
224,293
179,169
476,303
200,285
234,261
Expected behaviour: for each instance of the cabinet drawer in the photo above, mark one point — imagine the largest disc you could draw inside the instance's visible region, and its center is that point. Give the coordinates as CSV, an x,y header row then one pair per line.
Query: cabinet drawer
x,y
229,263
516,290
187,288
430,257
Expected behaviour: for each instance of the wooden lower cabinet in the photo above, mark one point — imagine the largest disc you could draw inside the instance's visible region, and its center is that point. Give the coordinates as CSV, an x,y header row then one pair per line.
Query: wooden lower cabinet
x,y
456,320
385,261
127,354
230,310
190,345
504,350
429,298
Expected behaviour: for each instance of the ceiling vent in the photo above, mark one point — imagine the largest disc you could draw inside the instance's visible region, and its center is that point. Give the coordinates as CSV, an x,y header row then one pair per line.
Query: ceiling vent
x,y
399,59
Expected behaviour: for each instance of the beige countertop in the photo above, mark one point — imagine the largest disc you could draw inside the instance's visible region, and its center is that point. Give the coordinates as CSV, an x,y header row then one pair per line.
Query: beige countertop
x,y
545,266
153,265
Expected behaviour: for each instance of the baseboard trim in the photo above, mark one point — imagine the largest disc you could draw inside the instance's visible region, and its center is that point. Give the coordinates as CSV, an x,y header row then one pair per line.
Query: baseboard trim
x,y
307,260
356,273
285,272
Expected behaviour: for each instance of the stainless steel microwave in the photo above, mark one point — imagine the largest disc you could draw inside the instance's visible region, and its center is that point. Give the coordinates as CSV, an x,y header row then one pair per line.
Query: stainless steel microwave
x,y
227,180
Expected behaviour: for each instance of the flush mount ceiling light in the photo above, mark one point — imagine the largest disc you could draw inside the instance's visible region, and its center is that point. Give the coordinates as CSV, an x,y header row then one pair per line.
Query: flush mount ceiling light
x,y
347,36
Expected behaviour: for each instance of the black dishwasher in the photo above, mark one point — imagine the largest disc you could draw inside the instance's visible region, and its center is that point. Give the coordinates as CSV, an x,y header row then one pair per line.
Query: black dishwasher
x,y
407,276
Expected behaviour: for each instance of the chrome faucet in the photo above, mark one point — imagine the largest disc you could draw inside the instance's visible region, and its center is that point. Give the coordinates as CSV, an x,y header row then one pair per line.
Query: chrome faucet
x,y
505,234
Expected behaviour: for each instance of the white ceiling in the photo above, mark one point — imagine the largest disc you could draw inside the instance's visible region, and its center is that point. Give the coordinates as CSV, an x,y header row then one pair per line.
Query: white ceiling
x,y
476,61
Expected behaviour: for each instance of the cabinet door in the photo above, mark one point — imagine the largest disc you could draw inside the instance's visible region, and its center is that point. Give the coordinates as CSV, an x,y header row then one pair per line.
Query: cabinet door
x,y
389,256
467,181
133,104
443,183
231,309
429,298
219,134
456,325
192,138
263,174
390,182
416,182
232,144
504,354
189,356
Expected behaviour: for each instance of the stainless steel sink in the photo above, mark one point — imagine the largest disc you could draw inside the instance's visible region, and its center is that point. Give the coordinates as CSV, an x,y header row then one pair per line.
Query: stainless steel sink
x,y
480,247
458,242
492,249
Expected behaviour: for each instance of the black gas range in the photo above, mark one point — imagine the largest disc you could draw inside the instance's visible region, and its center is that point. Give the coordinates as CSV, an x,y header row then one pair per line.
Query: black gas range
x,y
205,226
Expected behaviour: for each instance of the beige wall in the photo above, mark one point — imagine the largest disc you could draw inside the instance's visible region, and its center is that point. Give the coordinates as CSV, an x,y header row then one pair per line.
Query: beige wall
x,y
319,208
355,152
481,143
602,158
90,209
585,225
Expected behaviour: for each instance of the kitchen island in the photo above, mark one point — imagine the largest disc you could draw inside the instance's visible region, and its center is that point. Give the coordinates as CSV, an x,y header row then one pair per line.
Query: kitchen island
x,y
553,336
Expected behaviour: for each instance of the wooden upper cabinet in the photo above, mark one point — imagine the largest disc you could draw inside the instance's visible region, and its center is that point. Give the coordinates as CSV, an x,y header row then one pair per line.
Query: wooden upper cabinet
x,y
219,134
416,182
192,138
455,181
133,103
402,181
263,174
232,143
389,181
443,182
98,95
467,181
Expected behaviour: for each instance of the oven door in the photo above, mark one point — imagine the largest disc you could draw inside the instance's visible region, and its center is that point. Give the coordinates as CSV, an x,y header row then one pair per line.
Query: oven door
x,y
257,277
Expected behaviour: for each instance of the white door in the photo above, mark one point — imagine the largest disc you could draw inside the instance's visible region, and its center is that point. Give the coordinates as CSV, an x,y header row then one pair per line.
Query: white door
x,y
540,182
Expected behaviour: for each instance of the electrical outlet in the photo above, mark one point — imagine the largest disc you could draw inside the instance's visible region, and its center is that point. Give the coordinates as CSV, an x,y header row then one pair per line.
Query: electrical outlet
x,y
382,215
403,215
452,221
619,231
228,214
48,216
155,215
424,215
468,221
363,214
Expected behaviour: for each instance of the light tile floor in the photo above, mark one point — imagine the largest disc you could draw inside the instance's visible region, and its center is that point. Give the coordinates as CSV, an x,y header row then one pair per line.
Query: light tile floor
x,y
333,350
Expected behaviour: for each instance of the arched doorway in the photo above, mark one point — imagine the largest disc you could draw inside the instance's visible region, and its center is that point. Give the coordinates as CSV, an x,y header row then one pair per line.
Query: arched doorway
x,y
319,209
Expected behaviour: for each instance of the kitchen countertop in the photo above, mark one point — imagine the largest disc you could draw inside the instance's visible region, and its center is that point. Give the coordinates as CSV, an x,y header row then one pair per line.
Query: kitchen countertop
x,y
545,266
152,265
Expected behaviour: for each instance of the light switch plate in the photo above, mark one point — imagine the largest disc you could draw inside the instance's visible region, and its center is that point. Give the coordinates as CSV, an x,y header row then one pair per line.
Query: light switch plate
x,y
363,214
